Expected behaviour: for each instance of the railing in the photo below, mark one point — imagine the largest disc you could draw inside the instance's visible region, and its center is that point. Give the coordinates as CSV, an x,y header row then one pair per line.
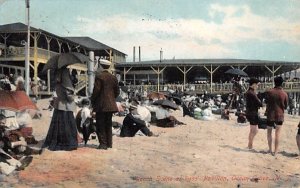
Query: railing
x,y
20,52
81,83
216,87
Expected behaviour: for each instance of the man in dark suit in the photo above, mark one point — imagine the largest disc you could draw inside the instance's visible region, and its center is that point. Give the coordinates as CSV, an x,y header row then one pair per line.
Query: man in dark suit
x,y
103,100
277,101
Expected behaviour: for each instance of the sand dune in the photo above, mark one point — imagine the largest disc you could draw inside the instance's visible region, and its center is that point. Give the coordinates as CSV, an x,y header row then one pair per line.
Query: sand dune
x,y
199,154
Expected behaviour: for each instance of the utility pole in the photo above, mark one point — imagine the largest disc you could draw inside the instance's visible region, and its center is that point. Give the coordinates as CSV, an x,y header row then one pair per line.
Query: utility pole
x,y
27,51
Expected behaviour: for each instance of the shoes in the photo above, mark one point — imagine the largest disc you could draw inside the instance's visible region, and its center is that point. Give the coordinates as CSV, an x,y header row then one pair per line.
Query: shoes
x,y
25,161
33,151
152,134
102,147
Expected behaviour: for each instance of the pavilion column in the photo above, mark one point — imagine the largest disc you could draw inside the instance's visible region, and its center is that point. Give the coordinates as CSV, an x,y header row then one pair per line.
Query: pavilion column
x,y
184,71
211,71
158,71
273,71
91,73
59,45
48,72
35,56
69,47
124,74
5,43
112,61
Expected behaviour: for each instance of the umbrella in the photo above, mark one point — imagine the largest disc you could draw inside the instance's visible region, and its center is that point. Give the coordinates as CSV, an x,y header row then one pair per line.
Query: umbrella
x,y
156,95
65,59
166,103
237,72
15,101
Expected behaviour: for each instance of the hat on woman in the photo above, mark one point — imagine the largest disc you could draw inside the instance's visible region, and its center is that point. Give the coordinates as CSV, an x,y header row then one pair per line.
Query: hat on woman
x,y
253,81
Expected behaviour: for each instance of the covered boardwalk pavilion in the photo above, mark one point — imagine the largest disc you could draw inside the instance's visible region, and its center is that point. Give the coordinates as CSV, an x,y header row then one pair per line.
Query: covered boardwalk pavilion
x,y
181,73
44,45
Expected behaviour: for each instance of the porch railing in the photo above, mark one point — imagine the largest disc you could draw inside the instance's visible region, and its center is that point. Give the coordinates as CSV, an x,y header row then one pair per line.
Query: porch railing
x,y
216,87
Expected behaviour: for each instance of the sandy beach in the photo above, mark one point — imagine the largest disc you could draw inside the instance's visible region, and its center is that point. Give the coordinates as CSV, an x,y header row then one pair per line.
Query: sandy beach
x,y
198,154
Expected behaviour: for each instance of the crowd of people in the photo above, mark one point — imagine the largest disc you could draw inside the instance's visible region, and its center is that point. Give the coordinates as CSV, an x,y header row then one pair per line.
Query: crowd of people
x,y
140,110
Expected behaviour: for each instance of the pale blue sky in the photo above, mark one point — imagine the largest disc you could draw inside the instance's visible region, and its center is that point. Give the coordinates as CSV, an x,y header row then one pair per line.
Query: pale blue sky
x,y
256,29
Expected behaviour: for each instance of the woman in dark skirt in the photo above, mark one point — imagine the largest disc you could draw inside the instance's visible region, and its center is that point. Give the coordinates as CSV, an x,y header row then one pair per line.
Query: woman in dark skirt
x,y
62,133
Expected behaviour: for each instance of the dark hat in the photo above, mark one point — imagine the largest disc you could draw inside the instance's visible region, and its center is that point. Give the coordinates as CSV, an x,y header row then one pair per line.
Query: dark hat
x,y
278,81
85,101
253,81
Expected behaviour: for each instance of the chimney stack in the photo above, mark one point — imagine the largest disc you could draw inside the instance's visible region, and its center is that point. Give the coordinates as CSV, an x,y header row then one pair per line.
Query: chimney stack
x,y
134,54
161,55
139,54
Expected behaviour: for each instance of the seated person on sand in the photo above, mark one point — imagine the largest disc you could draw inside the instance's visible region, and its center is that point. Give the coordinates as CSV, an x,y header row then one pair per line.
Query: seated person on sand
x,y
84,121
143,112
207,113
164,119
12,149
132,124
19,123
225,113
241,116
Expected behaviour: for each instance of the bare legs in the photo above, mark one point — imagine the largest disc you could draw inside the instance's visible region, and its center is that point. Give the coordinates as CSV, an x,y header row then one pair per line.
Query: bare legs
x,y
277,135
252,133
298,142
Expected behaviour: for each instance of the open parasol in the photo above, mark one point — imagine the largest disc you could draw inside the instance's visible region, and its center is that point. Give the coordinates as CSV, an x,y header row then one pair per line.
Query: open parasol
x,y
236,72
15,101
166,104
156,95
65,59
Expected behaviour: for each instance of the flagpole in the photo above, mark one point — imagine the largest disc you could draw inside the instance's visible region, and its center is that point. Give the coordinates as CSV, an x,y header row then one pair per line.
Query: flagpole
x,y
27,51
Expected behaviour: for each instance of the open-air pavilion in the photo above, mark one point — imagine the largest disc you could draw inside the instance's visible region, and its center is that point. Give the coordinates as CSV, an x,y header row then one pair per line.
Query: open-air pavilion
x,y
184,71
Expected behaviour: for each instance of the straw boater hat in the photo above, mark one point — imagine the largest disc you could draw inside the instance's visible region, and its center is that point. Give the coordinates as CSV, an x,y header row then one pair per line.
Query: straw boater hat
x,y
133,105
105,64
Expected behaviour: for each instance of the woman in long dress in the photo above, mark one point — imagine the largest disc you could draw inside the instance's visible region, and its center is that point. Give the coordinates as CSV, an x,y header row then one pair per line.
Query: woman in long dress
x,y
62,133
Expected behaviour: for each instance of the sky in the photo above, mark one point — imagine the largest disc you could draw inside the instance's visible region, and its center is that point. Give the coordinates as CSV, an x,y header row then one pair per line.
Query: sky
x,y
183,29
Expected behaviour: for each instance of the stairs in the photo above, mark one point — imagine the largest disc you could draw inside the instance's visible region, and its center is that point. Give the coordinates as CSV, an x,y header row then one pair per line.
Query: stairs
x,y
81,84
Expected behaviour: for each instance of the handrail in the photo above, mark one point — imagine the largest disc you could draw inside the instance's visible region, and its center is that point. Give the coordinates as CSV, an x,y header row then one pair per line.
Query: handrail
x,y
216,87
20,52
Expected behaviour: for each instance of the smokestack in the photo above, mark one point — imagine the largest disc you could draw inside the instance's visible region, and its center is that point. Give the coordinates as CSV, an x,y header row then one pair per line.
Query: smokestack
x,y
139,54
161,55
134,54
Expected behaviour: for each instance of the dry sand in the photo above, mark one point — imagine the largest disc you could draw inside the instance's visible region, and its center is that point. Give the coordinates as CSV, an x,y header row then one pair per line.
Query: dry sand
x,y
199,154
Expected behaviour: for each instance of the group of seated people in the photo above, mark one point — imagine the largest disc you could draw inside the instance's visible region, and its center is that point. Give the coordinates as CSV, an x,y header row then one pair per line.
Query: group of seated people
x,y
15,138
138,118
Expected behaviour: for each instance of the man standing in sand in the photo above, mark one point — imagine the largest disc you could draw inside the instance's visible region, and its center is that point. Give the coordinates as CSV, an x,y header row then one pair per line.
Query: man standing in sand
x,y
103,100
253,103
277,101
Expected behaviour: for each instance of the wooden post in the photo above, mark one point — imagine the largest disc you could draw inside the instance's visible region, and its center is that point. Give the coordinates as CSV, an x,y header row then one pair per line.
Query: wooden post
x,y
125,72
48,72
35,60
211,71
184,71
158,71
273,71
